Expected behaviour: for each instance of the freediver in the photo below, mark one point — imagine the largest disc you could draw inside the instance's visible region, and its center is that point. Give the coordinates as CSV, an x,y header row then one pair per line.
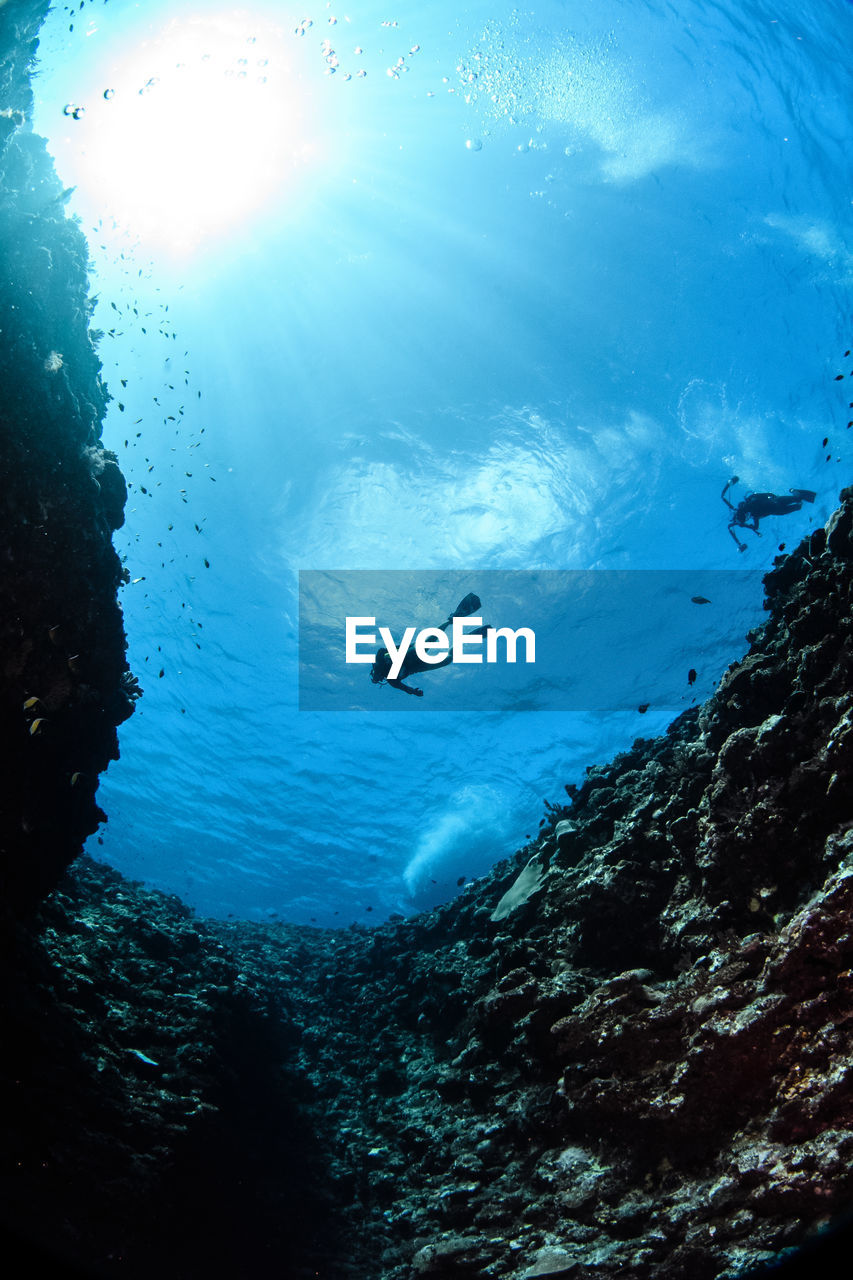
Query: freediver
x,y
755,506
412,664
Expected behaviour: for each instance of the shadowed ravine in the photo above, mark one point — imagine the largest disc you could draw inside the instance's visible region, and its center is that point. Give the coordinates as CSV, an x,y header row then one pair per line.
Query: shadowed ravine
x,y
641,1068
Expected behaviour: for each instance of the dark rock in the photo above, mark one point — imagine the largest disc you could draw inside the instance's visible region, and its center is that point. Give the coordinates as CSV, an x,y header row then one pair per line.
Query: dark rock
x,y
61,634
644,1070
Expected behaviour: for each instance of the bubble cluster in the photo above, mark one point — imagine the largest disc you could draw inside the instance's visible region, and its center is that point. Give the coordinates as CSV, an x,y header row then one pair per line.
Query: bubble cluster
x,y
331,58
332,55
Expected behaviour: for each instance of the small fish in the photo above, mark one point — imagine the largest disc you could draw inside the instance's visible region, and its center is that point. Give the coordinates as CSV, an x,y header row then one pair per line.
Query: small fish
x,y
643,708
700,600
143,1057
30,703
36,725
691,676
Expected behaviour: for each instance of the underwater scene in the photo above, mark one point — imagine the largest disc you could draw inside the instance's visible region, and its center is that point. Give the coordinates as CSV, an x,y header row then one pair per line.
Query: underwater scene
x,y
466,287
426,638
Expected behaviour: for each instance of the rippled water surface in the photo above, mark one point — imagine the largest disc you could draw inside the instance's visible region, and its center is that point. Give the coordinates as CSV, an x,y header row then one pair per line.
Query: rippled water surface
x,y
447,287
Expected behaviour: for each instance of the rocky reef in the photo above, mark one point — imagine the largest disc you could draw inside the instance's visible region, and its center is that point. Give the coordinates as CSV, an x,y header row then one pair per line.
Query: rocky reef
x,y
625,1052
64,685
641,1066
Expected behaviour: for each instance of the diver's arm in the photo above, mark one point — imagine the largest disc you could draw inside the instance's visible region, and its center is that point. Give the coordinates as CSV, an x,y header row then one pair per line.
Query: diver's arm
x,y
741,546
404,688
726,488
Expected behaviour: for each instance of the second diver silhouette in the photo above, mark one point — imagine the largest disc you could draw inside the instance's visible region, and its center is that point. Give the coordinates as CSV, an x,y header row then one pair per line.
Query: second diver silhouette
x,y
412,664
755,506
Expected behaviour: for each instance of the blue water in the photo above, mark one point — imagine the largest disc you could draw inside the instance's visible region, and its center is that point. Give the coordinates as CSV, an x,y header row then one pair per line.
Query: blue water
x,y
532,289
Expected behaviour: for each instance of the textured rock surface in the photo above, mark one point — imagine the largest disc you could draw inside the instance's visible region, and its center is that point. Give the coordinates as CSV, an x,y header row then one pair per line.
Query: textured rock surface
x,y
63,683
643,1070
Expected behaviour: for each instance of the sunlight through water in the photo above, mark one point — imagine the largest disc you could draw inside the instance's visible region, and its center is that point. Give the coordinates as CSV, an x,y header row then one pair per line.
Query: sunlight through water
x,y
450,286
200,125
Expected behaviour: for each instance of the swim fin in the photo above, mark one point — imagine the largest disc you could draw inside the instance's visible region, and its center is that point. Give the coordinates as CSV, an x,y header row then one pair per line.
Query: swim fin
x,y
805,495
466,607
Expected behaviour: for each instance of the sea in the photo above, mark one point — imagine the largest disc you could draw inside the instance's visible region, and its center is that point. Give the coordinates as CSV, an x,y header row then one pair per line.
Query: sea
x,y
450,299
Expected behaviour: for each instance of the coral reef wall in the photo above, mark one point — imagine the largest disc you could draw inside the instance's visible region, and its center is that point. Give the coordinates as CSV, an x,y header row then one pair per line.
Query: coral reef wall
x,y
63,681
643,1069
639,1064
646,1067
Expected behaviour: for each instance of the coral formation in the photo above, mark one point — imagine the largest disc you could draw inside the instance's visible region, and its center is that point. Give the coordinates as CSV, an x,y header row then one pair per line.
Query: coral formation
x,y
625,1052
642,1070
62,645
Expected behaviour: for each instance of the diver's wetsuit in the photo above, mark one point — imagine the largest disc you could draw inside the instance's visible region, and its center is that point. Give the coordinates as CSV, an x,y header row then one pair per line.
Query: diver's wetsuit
x,y
755,506
412,664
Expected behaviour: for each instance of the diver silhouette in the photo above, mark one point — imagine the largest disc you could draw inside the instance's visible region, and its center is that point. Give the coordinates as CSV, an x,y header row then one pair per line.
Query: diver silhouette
x,y
755,506
412,664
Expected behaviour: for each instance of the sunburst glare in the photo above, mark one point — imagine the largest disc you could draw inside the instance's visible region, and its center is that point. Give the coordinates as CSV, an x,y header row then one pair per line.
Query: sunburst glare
x,y
195,130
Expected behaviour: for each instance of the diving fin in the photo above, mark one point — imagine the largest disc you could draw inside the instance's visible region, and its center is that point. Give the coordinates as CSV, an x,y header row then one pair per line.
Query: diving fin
x,y
466,607
805,495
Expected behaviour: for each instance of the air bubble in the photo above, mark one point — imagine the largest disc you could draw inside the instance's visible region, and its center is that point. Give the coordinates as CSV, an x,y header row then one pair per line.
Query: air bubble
x,y
474,144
